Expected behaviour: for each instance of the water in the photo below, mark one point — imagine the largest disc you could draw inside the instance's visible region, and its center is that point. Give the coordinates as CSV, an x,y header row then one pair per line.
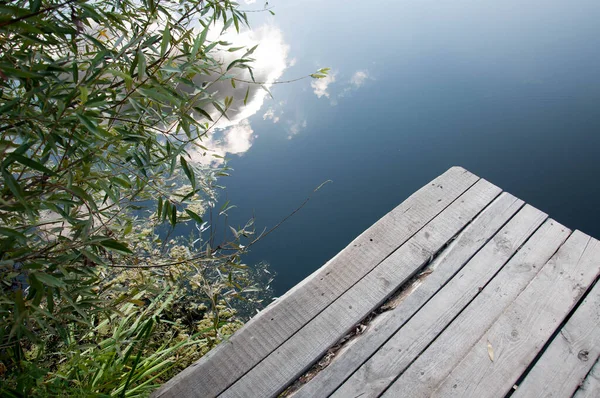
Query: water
x,y
509,90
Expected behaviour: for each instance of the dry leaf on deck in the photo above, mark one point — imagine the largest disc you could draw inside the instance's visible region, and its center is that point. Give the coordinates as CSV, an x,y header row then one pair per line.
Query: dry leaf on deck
x,y
491,351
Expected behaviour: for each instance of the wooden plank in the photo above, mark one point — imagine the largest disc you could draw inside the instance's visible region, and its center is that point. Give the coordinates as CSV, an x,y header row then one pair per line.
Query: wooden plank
x,y
445,265
568,359
290,360
523,329
425,374
591,385
375,375
260,336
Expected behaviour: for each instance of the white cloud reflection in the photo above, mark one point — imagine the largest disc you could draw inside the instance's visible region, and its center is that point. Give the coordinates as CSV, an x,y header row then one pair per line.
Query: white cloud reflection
x,y
322,87
270,114
359,77
275,112
234,140
357,80
295,127
235,135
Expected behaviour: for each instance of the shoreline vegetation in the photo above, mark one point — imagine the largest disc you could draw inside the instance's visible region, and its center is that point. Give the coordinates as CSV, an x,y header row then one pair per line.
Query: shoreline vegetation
x,y
101,104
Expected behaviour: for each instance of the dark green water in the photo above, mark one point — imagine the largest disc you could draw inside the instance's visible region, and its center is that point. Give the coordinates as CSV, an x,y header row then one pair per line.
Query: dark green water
x,y
509,90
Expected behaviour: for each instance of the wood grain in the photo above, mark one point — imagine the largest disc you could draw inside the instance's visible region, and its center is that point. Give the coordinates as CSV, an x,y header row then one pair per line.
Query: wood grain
x,y
526,325
375,375
590,388
290,360
568,359
225,364
445,265
433,366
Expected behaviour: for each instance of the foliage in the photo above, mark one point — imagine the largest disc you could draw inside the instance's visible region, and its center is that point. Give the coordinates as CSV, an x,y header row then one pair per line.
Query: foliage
x,y
99,103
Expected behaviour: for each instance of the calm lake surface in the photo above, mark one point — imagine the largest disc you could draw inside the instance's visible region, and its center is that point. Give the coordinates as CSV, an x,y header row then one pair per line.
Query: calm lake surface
x,y
510,90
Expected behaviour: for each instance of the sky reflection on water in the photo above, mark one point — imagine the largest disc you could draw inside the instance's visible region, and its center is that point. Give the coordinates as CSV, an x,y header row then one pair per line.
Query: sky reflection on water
x,y
508,90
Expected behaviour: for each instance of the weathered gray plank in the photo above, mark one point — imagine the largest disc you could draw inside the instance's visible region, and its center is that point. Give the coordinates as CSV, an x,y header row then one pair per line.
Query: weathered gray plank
x,y
260,336
288,361
445,265
523,329
425,374
591,385
375,375
568,359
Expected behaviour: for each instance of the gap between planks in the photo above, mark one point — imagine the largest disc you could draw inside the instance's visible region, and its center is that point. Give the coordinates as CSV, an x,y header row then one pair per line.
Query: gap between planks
x,y
442,269
525,326
375,375
293,357
590,388
229,361
565,363
431,367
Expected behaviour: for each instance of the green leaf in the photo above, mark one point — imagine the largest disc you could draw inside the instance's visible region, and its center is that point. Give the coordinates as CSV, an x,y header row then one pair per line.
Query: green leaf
x,y
36,292
228,102
141,65
126,77
220,109
203,113
224,206
159,96
159,207
83,90
35,5
199,41
188,171
267,90
166,210
13,185
121,181
171,69
237,61
31,163
9,105
227,24
236,23
92,257
88,124
194,216
50,299
251,74
140,164
226,77
9,71
84,196
246,96
48,280
128,228
173,215
212,45
11,233
116,246
75,71
251,51
166,39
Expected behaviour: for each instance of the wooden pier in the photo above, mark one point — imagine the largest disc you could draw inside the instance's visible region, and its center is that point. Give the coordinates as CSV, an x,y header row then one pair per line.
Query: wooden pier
x,y
462,290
